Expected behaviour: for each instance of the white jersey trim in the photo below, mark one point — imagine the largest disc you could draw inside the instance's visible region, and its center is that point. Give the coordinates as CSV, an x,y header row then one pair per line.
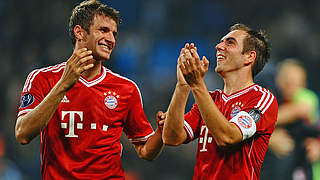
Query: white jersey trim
x,y
122,77
252,173
265,100
249,155
24,112
188,129
227,98
34,73
143,139
96,81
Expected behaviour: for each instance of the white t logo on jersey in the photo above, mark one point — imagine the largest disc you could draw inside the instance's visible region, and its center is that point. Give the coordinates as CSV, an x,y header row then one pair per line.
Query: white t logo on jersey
x,y
205,139
72,124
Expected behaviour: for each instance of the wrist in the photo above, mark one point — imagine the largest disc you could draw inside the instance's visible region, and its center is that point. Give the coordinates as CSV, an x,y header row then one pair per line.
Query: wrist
x,y
183,87
60,89
198,86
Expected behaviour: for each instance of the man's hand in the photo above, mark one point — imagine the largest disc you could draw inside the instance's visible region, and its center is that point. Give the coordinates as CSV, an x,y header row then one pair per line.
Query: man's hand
x,y
281,143
181,81
312,146
192,68
80,61
161,116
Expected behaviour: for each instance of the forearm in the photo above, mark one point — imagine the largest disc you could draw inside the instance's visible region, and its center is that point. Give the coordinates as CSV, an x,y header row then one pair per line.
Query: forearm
x,y
287,114
224,132
173,131
29,125
152,148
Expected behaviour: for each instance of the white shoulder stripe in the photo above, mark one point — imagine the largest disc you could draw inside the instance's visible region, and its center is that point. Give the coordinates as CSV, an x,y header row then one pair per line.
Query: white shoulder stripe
x,y
188,128
26,84
265,100
262,98
115,74
272,97
34,73
143,139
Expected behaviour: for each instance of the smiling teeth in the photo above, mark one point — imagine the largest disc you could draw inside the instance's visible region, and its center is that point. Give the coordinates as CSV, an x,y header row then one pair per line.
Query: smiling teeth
x,y
105,47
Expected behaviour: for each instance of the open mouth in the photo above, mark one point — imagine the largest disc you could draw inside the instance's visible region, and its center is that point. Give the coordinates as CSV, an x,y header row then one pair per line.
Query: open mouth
x,y
107,47
220,57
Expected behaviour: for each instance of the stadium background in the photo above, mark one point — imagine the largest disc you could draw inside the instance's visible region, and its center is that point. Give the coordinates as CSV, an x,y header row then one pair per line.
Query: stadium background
x,y
35,34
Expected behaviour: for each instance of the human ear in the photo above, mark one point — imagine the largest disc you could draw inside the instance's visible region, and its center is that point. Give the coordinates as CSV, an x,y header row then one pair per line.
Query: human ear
x,y
250,57
79,32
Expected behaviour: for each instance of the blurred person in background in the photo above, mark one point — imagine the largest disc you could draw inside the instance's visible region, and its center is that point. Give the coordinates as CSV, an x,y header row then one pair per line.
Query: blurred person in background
x,y
233,125
294,147
8,170
80,108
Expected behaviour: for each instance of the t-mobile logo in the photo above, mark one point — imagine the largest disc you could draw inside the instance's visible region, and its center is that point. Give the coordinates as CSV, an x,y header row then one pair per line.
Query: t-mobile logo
x,y
205,139
72,115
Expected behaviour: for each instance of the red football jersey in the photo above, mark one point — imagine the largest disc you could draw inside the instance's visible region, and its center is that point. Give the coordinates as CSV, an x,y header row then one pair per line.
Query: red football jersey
x,y
243,160
82,139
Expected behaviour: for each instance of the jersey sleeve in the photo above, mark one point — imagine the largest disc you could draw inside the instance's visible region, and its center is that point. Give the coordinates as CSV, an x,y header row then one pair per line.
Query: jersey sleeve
x,y
137,127
264,111
192,122
33,92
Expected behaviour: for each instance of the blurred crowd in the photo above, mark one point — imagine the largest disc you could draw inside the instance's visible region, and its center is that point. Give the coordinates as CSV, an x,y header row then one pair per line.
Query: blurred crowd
x,y
35,34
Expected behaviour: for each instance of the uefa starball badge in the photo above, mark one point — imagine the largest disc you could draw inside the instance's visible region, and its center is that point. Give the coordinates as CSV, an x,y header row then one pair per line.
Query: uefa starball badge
x,y
111,100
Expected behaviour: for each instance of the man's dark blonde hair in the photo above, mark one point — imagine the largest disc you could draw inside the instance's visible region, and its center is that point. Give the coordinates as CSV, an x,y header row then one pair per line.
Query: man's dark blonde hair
x,y
84,13
255,41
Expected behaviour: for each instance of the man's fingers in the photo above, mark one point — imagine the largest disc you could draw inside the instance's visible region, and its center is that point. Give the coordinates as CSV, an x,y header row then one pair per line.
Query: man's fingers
x,y
161,123
186,46
205,62
85,53
191,46
182,66
85,67
85,59
186,65
79,51
196,57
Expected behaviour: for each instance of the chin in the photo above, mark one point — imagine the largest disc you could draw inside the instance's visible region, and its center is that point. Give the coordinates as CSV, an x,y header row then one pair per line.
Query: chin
x,y
218,70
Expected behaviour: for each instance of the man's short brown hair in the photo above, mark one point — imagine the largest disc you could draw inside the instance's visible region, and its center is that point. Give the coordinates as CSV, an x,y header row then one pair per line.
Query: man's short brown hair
x,y
256,41
84,13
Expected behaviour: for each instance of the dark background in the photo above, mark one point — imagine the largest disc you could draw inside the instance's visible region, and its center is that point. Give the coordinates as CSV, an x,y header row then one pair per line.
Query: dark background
x,y
35,34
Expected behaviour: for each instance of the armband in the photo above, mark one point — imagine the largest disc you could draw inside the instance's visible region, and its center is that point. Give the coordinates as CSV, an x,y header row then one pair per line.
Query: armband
x,y
246,124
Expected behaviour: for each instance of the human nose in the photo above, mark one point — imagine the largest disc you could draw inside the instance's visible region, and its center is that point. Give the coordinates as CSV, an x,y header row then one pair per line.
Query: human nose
x,y
219,46
110,37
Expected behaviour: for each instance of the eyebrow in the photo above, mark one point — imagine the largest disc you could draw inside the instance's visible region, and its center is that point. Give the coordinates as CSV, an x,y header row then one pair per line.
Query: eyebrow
x,y
228,38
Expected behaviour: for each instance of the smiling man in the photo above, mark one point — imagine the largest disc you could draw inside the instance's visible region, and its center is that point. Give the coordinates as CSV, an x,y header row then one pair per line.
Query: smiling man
x,y
80,108
233,126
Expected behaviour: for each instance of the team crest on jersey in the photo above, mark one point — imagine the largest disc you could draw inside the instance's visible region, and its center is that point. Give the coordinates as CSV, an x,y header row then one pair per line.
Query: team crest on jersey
x,y
26,100
245,121
236,109
111,100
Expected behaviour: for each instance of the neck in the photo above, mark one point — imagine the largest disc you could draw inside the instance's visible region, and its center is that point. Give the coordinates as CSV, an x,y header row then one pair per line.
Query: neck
x,y
93,72
234,82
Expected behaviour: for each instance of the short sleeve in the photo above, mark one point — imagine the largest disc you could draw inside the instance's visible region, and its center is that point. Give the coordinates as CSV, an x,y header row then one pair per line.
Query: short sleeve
x,y
137,127
33,92
192,122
